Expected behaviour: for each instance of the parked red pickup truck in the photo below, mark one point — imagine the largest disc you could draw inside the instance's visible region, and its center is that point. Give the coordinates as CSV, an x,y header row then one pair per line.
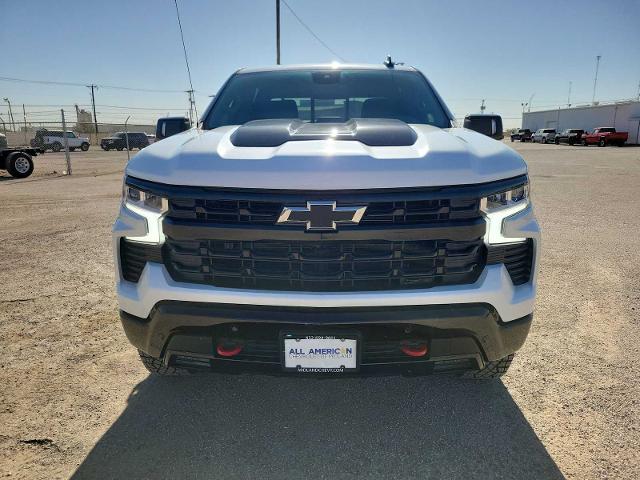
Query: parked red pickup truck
x,y
603,136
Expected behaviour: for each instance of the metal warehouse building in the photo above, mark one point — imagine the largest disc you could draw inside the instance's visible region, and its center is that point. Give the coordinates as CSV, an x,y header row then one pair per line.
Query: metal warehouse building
x,y
623,116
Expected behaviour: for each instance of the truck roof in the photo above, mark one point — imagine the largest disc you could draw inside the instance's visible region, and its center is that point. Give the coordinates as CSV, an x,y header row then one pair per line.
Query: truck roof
x,y
326,66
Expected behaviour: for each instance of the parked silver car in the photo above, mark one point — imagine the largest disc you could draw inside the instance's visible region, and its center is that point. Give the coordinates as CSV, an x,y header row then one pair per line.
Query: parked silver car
x,y
544,135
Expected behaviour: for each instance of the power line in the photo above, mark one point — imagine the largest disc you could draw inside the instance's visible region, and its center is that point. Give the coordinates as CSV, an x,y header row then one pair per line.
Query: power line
x,y
72,84
312,32
192,101
161,109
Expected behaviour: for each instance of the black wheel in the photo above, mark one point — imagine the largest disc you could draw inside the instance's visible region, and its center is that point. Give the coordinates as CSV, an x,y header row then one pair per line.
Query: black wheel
x,y
494,369
602,143
119,149
583,142
84,147
19,165
56,147
571,142
155,365
557,141
511,139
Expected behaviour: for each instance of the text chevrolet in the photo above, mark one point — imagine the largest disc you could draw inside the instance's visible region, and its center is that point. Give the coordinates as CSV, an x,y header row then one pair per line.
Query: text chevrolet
x,y
327,220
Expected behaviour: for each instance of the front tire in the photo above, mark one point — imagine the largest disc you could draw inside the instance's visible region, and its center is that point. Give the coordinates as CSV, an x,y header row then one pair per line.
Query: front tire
x,y
19,165
157,367
602,143
492,370
56,147
84,147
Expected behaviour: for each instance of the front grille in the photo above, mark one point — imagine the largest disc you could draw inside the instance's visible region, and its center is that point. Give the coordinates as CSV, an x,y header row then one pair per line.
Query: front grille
x,y
411,238
517,257
383,212
325,265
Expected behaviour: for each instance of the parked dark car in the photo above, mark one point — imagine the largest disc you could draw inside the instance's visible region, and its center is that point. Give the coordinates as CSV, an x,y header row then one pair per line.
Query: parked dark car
x,y
118,141
572,136
522,135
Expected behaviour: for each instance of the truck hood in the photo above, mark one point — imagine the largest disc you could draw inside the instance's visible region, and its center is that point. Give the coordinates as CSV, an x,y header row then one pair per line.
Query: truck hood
x,y
453,156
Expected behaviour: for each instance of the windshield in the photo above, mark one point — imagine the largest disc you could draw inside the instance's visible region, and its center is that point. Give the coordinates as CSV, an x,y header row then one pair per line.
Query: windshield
x,y
327,96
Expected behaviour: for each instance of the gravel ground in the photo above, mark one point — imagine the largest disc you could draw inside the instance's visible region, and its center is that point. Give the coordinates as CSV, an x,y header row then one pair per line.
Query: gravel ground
x,y
76,402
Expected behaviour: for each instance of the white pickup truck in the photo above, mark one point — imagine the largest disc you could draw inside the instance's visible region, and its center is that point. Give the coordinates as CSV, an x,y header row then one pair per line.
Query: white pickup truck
x,y
54,140
327,220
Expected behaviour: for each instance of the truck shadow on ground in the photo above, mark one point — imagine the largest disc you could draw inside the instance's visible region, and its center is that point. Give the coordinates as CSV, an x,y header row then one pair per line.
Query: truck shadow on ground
x,y
215,426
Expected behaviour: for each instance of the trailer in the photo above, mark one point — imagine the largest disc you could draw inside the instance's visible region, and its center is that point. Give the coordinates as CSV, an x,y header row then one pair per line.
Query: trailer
x,y
18,161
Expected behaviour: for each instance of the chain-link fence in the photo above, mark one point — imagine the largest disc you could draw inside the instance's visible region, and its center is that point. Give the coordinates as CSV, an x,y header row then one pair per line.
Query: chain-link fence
x,y
37,134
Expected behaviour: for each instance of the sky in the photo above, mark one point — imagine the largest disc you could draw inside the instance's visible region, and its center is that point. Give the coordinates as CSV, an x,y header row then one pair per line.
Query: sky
x,y
503,52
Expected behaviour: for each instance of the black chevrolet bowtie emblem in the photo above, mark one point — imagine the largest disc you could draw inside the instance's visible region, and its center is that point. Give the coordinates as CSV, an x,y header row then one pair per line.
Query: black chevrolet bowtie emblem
x,y
321,215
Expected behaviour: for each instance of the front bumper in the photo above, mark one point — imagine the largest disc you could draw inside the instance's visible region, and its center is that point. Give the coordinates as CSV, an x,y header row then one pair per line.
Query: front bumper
x,y
460,337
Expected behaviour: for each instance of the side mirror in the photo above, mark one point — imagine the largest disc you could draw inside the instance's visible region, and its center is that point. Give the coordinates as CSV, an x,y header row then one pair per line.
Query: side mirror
x,y
170,126
489,125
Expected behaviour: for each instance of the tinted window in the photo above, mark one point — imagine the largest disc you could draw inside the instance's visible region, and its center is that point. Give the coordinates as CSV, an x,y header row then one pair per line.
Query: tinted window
x,y
327,96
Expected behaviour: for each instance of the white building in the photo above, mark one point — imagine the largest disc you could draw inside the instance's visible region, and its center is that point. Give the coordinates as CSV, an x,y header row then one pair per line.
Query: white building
x,y
623,116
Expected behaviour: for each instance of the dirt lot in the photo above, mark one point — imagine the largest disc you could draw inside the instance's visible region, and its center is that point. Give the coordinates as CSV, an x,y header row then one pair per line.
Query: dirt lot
x,y
75,401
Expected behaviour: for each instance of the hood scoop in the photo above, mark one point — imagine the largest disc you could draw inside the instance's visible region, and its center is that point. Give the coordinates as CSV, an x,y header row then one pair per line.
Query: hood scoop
x,y
375,132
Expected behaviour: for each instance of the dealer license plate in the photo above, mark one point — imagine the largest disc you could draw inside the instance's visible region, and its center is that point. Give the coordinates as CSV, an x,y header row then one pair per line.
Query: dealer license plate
x,y
320,353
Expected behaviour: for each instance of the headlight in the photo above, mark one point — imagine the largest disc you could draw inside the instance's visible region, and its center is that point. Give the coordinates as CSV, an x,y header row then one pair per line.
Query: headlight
x,y
497,201
146,200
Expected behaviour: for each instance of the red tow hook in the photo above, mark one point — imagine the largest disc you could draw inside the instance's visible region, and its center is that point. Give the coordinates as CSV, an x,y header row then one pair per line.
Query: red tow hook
x,y
414,349
226,349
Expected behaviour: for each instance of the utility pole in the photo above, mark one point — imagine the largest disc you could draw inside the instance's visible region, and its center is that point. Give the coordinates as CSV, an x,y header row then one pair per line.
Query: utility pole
x,y
639,91
595,79
277,32
13,123
66,143
24,117
569,97
126,136
191,106
482,107
4,126
93,104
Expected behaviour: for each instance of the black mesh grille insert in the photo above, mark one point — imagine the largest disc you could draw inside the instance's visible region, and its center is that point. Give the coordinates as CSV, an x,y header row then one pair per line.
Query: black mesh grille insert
x,y
258,212
134,256
517,257
325,265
